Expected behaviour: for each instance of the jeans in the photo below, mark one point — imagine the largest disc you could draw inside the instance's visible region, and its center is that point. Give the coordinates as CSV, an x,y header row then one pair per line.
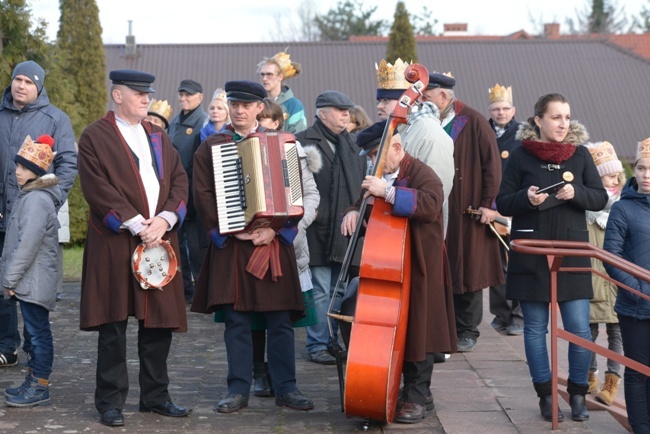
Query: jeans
x,y
636,344
37,325
614,343
575,317
9,336
324,280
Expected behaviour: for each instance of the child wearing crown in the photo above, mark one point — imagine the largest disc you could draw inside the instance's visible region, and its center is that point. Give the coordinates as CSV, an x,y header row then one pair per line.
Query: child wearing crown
x,y
601,307
29,264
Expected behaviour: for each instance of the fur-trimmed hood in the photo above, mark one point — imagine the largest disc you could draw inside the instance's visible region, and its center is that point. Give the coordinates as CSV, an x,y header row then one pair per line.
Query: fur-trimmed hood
x,y
576,136
49,183
314,159
44,181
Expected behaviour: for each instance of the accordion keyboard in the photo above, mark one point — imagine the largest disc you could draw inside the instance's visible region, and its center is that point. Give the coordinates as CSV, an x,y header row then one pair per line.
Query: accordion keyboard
x,y
231,202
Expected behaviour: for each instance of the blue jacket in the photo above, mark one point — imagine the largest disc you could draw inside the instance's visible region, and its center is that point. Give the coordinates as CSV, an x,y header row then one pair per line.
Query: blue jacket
x,y
37,118
295,120
628,235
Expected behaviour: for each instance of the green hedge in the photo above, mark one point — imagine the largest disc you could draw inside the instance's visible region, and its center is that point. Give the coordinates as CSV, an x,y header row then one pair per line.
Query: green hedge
x,y
78,215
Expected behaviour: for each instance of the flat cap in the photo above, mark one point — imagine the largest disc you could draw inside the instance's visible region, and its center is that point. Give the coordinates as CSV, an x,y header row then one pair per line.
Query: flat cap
x,y
442,81
191,87
370,138
244,90
334,98
136,80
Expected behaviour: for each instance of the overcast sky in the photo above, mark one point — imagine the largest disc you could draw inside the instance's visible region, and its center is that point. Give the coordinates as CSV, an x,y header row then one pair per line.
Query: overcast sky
x,y
217,21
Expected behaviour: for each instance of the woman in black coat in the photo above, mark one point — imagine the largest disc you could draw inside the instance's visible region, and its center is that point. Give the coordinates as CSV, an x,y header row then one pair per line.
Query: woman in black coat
x,y
550,154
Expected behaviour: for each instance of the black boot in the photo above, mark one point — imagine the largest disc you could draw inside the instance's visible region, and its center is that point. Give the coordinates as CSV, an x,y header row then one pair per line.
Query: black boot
x,y
262,381
546,402
577,401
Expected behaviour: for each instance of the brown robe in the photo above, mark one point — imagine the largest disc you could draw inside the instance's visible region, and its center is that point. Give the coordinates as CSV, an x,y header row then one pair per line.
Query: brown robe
x,y
431,322
472,248
112,186
224,279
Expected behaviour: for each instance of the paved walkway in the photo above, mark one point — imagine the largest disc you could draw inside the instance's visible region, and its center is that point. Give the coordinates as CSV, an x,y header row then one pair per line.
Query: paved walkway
x,y
487,391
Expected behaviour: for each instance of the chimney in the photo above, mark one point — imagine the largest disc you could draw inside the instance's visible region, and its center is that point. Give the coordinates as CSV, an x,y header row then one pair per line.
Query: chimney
x,y
552,30
455,29
130,49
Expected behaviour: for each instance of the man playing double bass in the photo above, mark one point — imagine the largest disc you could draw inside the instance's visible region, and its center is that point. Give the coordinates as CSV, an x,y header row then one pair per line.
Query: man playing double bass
x,y
415,192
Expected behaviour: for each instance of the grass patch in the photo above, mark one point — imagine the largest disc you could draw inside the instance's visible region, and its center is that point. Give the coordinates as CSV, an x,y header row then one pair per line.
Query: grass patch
x,y
72,262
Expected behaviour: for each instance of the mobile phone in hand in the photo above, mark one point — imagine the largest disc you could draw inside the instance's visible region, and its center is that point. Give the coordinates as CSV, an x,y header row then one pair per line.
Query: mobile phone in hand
x,y
551,189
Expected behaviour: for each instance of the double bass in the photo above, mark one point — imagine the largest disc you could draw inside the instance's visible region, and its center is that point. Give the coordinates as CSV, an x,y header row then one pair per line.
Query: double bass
x,y
378,331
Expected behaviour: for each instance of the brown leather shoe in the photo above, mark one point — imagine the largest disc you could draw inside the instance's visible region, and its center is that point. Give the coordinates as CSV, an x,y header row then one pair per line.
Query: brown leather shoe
x,y
411,413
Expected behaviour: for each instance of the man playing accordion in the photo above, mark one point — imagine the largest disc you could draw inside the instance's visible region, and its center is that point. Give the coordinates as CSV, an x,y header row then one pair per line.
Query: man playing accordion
x,y
250,271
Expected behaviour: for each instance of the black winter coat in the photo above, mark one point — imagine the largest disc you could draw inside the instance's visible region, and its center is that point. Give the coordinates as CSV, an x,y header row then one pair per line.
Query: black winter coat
x,y
528,276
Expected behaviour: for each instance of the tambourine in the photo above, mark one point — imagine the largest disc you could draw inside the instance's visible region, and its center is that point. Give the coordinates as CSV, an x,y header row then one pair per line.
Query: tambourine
x,y
154,267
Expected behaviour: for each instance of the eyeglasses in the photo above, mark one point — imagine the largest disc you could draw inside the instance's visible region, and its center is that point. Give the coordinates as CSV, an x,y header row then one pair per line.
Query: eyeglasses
x,y
267,74
503,109
383,101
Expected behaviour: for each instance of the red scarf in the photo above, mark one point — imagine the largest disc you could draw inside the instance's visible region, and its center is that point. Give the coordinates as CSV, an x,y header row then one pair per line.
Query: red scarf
x,y
555,153
262,258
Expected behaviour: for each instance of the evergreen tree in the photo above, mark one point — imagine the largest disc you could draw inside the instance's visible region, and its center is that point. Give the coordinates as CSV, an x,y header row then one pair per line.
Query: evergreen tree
x,y
81,56
17,42
348,19
401,41
81,67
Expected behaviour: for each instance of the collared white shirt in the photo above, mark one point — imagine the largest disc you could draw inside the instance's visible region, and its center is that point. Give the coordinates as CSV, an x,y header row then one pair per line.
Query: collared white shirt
x,y
136,137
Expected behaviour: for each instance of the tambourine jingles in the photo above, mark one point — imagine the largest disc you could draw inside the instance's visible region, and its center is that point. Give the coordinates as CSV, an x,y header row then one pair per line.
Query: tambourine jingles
x,y
154,267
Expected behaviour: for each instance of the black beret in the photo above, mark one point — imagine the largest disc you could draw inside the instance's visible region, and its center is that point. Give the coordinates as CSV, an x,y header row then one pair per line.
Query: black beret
x,y
370,138
136,80
244,90
191,87
440,80
334,98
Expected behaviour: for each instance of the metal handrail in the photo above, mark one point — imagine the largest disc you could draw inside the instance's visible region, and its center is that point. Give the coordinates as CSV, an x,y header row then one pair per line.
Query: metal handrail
x,y
554,251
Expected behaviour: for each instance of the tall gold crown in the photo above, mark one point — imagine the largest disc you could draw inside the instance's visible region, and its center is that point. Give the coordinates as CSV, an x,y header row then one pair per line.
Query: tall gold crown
x,y
644,149
500,93
287,67
220,94
392,76
161,108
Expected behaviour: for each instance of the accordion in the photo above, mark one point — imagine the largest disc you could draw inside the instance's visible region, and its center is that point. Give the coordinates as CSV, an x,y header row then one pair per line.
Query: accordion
x,y
257,182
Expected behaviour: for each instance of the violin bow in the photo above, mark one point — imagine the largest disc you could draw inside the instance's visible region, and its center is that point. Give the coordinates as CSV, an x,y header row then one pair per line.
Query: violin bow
x,y
474,213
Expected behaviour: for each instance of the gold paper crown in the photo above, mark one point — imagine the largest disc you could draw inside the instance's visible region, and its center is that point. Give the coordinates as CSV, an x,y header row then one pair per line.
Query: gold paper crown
x,y
37,157
644,149
448,74
220,94
161,108
500,93
602,152
287,67
392,76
